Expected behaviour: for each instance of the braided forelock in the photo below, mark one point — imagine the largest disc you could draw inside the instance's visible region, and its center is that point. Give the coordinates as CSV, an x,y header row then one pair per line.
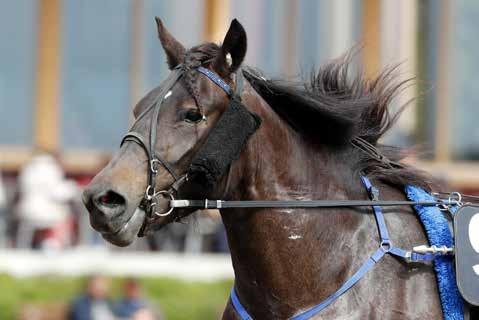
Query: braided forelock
x,y
201,55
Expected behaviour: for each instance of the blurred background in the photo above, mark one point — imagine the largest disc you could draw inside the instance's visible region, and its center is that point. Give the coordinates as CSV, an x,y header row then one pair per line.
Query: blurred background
x,y
72,70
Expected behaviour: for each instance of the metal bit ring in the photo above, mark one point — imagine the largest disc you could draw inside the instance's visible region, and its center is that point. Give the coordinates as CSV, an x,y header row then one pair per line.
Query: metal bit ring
x,y
171,208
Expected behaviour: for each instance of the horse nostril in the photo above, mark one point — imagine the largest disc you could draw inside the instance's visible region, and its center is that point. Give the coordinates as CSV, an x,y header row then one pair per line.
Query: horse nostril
x,y
110,199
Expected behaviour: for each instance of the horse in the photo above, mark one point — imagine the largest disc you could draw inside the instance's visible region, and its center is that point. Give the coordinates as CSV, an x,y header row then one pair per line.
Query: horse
x,y
285,260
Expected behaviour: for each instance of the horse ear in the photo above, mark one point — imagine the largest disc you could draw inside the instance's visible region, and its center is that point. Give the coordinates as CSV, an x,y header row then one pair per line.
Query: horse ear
x,y
175,52
233,50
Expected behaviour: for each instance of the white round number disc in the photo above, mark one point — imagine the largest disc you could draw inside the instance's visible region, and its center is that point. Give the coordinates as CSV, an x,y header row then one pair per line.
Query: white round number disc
x,y
474,232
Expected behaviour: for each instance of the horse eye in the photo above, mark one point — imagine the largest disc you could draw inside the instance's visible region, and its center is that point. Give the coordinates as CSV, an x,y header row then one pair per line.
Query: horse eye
x,y
193,116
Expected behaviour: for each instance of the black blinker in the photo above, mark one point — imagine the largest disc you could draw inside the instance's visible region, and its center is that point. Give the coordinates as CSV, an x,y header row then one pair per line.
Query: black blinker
x,y
223,145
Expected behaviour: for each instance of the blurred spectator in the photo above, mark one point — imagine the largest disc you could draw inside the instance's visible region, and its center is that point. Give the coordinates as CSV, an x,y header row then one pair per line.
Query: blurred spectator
x,y
3,214
44,202
133,306
94,303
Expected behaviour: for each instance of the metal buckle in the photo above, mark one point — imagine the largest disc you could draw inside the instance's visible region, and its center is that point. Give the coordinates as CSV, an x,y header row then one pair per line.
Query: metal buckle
x,y
374,192
153,168
408,256
149,195
457,200
386,245
172,198
454,199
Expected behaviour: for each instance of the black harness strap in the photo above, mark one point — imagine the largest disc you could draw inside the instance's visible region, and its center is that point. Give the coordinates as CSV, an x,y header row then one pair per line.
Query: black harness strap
x,y
222,204
154,160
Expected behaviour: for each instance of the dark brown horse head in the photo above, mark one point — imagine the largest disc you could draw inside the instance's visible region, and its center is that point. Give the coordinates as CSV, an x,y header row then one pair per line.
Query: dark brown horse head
x,y
190,108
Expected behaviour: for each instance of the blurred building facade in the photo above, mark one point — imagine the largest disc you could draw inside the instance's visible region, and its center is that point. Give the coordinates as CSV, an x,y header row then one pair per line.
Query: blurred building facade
x,y
72,70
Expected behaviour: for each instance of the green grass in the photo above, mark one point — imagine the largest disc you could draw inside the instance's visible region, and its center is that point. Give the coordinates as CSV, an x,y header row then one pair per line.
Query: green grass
x,y
178,300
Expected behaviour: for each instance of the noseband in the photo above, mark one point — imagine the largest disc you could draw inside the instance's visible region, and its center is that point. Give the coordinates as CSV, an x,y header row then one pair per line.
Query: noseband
x,y
155,161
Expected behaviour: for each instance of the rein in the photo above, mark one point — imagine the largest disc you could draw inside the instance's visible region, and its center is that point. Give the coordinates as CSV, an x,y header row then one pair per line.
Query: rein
x,y
222,204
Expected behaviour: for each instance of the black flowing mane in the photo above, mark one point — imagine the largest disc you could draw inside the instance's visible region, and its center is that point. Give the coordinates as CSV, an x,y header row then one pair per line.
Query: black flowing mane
x,y
335,109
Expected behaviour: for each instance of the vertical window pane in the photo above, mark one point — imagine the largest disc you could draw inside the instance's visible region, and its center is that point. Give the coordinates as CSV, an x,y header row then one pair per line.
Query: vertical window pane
x,y
270,53
95,77
465,101
309,37
18,26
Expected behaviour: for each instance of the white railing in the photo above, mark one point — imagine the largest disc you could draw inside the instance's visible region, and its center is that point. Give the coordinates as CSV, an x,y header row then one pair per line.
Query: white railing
x,y
85,261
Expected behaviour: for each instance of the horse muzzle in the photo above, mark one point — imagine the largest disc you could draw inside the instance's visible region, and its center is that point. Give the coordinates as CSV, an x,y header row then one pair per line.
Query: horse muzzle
x,y
111,215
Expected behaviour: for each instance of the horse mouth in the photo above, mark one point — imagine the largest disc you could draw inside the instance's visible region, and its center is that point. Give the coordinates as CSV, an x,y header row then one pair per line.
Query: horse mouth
x,y
128,232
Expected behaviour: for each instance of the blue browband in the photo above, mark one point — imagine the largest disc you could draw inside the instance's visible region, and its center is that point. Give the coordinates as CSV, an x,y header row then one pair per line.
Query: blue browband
x,y
217,80
385,246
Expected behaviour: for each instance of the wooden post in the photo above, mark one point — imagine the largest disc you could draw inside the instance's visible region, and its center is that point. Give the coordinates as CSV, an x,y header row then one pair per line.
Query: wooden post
x,y
216,16
443,116
371,37
47,79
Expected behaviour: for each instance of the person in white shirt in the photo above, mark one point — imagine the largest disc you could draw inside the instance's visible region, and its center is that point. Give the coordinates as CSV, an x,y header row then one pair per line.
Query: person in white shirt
x,y
44,198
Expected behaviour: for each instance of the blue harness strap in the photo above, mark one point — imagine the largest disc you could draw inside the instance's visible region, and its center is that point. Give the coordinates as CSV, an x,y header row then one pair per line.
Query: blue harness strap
x,y
217,80
240,310
374,196
384,248
345,287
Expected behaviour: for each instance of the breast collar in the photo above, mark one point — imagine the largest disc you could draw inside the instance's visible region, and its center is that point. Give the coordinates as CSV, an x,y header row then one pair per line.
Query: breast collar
x,y
385,247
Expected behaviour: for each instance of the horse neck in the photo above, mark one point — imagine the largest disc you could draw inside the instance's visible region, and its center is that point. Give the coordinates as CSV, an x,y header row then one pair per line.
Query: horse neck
x,y
269,247
279,162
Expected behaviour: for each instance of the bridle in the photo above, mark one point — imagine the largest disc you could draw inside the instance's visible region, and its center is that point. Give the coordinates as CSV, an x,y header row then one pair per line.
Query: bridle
x,y
155,161
149,146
